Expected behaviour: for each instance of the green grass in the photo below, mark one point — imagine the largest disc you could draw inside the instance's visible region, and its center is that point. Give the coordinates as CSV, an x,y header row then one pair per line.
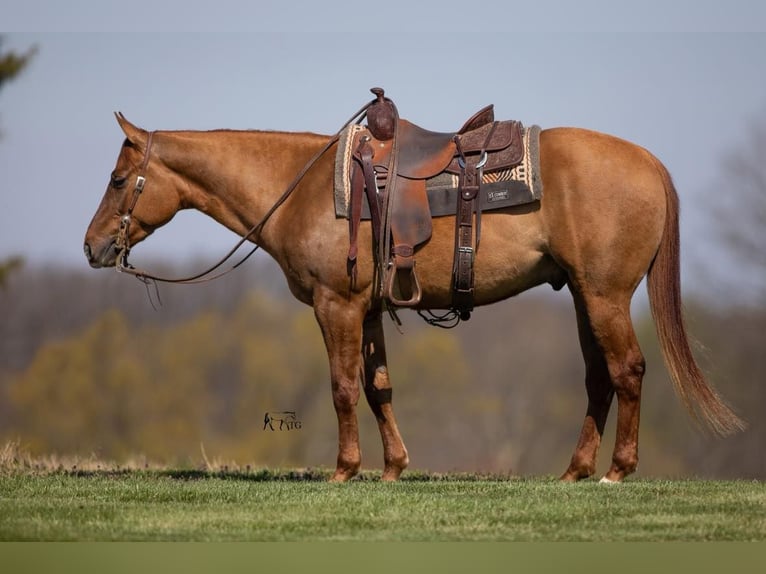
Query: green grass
x,y
157,505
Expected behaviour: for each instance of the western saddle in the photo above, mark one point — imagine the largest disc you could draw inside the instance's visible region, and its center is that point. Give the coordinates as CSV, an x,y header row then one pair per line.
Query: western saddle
x,y
393,158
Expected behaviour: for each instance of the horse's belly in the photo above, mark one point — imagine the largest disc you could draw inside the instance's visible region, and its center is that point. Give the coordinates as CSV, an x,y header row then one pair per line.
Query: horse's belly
x,y
510,259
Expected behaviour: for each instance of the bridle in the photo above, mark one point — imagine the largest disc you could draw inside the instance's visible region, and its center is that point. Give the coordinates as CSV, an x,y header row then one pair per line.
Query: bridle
x,y
122,242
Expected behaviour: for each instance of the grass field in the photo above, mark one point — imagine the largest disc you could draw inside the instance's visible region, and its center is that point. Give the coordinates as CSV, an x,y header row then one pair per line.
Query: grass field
x,y
166,505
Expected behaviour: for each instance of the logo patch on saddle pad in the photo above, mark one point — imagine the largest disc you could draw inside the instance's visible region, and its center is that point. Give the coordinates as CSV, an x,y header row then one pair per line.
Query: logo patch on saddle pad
x,y
500,189
494,196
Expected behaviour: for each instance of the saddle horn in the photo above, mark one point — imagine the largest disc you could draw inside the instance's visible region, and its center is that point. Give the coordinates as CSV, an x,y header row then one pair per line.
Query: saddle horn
x,y
381,116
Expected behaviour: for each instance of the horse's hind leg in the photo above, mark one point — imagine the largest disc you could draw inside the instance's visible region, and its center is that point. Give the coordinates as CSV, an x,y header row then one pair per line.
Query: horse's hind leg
x,y
600,392
377,390
614,365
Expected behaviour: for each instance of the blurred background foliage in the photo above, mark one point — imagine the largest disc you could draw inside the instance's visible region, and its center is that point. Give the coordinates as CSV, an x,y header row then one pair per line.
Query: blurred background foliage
x,y
89,367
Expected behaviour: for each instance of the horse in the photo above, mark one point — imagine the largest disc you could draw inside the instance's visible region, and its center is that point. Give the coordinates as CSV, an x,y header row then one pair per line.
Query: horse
x,y
609,217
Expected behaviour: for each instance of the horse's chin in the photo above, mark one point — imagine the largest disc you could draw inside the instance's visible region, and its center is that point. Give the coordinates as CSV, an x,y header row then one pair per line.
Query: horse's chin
x,y
106,257
103,264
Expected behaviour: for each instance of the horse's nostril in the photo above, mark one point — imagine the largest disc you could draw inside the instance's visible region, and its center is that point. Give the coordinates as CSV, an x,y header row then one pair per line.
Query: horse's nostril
x,y
88,254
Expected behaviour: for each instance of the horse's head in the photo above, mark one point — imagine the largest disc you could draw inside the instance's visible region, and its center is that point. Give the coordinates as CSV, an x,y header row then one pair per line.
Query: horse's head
x,y
142,195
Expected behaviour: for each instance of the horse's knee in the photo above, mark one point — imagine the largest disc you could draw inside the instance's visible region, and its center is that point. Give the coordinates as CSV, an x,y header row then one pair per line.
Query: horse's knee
x,y
345,394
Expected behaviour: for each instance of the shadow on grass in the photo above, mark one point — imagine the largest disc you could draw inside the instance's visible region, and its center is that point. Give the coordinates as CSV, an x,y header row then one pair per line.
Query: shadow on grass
x,y
323,475
271,475
16,460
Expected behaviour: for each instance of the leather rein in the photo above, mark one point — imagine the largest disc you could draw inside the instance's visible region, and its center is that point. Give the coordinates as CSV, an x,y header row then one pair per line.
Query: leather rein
x,y
122,241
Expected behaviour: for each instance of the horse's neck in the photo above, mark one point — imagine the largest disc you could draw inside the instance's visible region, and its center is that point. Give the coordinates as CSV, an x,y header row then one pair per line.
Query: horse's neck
x,y
236,177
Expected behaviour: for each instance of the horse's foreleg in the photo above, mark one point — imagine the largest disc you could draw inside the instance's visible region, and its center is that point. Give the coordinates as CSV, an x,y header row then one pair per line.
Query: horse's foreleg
x,y
377,390
341,325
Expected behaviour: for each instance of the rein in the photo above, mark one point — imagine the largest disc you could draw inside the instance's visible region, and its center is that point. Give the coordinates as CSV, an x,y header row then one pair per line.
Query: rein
x,y
123,243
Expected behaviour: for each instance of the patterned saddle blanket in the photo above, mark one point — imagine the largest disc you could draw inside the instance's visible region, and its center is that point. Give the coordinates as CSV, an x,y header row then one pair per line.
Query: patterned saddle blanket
x,y
519,185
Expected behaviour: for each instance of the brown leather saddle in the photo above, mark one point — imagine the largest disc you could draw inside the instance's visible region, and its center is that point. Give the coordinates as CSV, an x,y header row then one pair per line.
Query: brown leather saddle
x,y
393,159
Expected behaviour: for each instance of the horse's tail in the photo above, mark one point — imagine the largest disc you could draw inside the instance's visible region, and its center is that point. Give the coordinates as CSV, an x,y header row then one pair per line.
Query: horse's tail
x,y
664,286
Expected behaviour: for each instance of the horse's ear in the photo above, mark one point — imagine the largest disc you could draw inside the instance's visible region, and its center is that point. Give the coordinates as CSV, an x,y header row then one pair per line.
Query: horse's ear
x,y
134,134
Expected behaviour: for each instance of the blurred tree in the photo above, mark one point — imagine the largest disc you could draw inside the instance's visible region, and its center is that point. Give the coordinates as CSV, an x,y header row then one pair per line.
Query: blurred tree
x,y
736,364
528,382
738,211
116,389
11,64
732,327
503,393
77,394
437,409
7,266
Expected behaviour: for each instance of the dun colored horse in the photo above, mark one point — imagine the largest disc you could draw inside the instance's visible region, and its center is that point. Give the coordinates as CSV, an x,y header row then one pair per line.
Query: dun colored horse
x,y
608,217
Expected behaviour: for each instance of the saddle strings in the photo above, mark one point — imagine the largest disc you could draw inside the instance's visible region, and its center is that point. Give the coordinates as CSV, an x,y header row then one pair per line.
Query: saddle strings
x,y
447,320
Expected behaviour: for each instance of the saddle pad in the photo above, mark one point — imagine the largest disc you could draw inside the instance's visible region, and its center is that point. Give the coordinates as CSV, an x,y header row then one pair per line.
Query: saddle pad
x,y
500,189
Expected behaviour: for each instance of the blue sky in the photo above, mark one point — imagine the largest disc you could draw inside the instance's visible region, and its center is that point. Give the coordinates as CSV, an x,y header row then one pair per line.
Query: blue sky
x,y
661,77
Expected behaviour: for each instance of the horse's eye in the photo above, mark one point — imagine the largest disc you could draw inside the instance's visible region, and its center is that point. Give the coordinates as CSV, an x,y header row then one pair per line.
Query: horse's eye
x,y
117,181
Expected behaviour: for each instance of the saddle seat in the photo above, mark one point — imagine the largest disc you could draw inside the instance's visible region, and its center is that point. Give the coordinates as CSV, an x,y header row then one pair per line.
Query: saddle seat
x,y
424,153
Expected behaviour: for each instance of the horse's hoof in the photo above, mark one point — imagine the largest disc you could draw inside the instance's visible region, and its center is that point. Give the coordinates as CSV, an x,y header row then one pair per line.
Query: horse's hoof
x,y
391,475
575,475
343,475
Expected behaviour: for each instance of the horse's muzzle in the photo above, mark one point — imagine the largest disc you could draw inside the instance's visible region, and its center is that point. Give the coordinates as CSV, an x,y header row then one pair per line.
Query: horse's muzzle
x,y
106,257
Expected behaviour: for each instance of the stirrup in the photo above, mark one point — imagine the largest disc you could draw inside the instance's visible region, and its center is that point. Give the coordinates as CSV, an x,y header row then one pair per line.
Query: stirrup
x,y
388,288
